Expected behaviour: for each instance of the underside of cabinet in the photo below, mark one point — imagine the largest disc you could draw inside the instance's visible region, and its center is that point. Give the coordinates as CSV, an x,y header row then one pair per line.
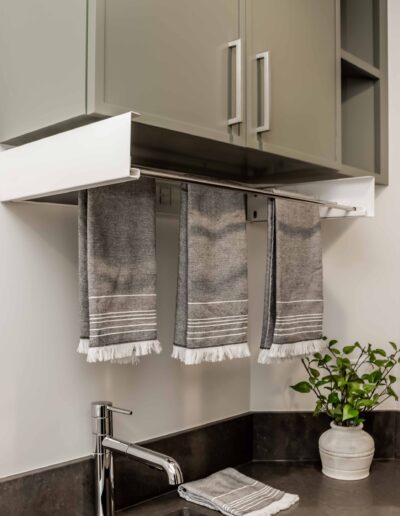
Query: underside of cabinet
x,y
166,149
56,168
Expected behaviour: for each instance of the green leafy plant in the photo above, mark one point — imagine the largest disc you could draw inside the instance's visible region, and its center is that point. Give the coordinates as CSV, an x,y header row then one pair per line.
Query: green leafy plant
x,y
348,388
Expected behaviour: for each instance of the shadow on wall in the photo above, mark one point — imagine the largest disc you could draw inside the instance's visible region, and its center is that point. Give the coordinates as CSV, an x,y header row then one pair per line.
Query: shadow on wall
x,y
334,229
35,217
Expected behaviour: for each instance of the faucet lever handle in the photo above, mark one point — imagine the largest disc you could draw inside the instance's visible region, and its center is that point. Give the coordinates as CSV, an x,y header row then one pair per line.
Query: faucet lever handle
x,y
119,410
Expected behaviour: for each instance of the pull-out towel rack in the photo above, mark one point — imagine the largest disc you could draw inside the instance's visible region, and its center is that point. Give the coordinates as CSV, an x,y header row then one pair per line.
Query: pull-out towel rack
x,y
53,168
233,185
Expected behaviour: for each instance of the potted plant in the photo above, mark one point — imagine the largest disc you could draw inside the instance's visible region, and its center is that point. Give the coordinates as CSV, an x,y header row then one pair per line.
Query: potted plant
x,y
349,383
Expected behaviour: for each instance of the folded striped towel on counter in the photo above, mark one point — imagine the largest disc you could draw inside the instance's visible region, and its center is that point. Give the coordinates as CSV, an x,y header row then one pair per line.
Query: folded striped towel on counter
x,y
235,494
293,309
117,266
211,313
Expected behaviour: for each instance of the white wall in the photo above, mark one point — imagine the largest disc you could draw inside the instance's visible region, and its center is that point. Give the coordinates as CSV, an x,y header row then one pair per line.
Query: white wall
x,y
361,269
46,387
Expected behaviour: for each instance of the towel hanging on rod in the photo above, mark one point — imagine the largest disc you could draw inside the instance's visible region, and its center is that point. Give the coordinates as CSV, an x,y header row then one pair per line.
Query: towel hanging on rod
x,y
117,266
293,306
212,300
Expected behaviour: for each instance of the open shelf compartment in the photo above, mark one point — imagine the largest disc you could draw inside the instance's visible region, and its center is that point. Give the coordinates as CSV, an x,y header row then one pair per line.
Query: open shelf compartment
x,y
360,29
364,88
360,123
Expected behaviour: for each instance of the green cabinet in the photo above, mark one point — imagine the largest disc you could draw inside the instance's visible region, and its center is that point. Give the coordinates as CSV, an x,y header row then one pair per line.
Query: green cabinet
x,y
292,76
192,66
297,87
42,64
171,61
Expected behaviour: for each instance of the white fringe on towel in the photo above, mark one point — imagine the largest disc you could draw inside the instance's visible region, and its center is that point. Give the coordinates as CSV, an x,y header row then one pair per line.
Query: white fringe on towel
x,y
212,354
284,352
127,353
83,346
284,503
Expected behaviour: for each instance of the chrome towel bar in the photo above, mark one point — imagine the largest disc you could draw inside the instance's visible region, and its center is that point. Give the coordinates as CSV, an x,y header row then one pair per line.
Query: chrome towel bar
x,y
170,175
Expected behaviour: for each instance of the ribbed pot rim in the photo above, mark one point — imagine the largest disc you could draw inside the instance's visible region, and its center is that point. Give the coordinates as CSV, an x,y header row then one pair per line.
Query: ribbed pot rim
x,y
347,428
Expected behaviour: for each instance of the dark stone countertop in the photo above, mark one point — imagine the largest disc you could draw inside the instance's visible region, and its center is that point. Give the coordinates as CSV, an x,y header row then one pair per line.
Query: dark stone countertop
x,y
378,495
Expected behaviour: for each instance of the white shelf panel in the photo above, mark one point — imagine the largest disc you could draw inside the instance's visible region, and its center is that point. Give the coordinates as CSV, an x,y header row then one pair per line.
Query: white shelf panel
x,y
352,191
94,155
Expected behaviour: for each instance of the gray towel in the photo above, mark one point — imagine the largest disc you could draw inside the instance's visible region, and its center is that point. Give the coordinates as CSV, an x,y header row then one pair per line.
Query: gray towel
x,y
235,494
211,318
293,310
117,267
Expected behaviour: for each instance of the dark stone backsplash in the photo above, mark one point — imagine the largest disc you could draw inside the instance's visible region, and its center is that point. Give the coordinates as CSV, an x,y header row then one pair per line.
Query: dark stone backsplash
x,y
63,490
68,489
199,452
293,436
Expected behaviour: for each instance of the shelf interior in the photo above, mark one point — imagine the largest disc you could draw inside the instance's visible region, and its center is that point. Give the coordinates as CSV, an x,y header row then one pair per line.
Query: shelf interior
x,y
353,66
360,29
360,120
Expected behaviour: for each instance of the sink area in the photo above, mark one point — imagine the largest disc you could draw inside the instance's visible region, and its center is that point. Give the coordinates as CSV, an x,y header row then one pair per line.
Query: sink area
x,y
376,495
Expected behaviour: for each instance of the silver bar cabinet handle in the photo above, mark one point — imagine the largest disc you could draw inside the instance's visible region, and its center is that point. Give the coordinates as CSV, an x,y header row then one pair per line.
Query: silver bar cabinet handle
x,y
265,119
238,118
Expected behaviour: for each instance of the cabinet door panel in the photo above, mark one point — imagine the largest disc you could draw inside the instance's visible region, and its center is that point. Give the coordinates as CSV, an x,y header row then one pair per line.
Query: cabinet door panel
x,y
300,37
168,60
42,64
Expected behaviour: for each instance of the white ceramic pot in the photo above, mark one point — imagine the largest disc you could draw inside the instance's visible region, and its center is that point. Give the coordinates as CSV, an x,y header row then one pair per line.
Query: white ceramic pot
x,y
346,452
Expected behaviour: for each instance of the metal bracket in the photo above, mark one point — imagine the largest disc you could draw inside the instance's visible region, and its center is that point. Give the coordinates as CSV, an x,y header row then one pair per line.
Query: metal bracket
x,y
256,208
353,191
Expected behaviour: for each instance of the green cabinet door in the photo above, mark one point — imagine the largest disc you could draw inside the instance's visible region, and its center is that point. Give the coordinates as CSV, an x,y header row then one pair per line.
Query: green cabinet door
x,y
169,60
292,78
42,64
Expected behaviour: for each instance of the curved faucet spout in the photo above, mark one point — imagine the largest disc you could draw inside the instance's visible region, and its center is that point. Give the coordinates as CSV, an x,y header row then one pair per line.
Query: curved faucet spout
x,y
146,456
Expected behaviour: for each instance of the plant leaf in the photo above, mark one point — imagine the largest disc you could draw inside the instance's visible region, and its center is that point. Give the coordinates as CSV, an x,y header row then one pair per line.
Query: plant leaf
x,y
341,382
302,387
333,398
366,403
392,393
393,344
375,376
318,407
314,372
348,349
368,387
349,412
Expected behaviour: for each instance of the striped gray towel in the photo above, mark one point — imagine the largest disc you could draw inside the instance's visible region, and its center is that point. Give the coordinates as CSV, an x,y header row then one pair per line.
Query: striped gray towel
x,y
117,266
235,494
293,309
211,314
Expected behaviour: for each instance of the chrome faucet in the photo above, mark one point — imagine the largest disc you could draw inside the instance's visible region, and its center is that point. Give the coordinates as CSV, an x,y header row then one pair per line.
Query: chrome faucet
x,y
106,444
